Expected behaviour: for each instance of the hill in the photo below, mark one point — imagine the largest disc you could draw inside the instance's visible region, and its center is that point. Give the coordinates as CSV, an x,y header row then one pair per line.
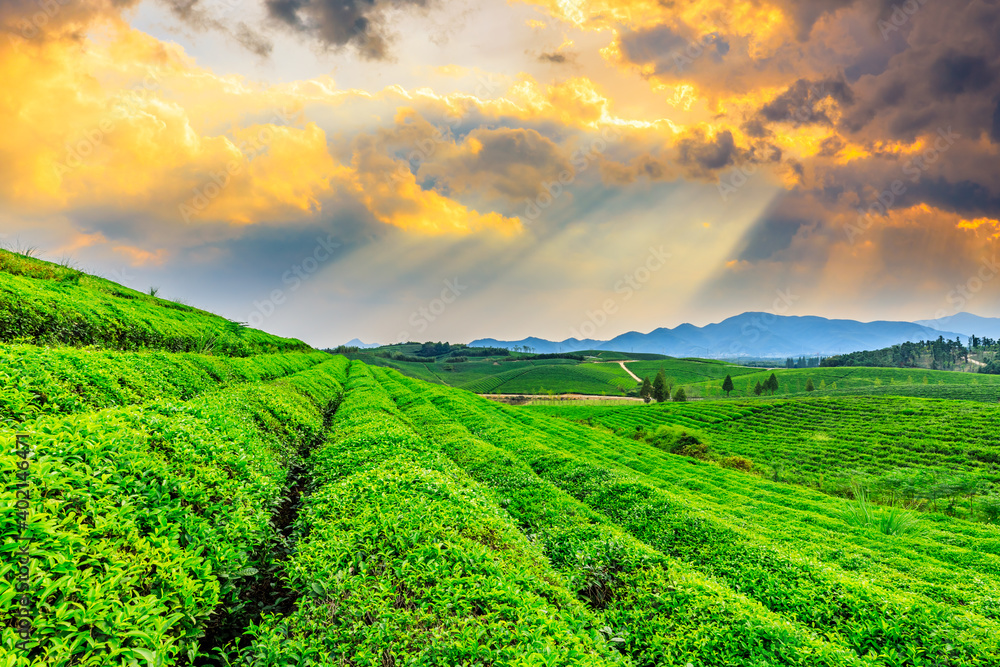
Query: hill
x,y
45,303
302,508
752,335
597,372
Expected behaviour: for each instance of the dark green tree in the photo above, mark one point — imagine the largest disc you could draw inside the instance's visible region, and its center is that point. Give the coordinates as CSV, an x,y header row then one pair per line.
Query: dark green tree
x,y
809,385
727,385
646,392
771,384
758,390
679,395
660,391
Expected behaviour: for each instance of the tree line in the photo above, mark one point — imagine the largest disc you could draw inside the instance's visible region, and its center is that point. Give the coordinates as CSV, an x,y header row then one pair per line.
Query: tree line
x,y
940,354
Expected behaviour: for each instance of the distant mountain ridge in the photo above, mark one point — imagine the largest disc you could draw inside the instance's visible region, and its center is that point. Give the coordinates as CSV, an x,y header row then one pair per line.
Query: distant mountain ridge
x,y
966,324
364,346
750,334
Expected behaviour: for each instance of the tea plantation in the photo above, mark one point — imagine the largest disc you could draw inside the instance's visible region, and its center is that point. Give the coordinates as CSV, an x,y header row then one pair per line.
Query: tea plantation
x,y
187,491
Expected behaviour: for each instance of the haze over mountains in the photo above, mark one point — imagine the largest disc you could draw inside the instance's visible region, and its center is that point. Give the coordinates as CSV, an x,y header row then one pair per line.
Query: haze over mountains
x,y
755,334
967,324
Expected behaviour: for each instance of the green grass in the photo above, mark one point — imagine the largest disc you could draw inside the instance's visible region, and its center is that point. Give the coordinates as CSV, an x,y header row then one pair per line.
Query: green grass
x,y
798,558
689,371
846,381
822,440
47,304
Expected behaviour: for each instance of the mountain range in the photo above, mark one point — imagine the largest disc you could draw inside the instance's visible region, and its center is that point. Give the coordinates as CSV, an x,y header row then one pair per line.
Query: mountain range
x,y
763,335
967,324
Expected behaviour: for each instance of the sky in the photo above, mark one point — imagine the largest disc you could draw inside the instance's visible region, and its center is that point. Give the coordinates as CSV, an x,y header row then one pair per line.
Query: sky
x,y
397,170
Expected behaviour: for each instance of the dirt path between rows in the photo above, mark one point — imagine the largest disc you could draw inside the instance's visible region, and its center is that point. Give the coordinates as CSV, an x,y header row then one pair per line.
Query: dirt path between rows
x,y
624,367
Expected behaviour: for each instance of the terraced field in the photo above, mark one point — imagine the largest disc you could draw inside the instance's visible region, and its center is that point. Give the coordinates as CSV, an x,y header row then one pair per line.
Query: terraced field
x,y
816,437
847,381
690,371
169,508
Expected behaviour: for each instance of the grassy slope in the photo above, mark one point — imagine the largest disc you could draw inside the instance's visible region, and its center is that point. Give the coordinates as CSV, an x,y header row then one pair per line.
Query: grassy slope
x,y
829,438
914,599
862,381
44,303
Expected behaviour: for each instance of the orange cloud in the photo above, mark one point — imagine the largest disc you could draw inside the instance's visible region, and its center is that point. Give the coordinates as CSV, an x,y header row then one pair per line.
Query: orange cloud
x,y
124,121
140,257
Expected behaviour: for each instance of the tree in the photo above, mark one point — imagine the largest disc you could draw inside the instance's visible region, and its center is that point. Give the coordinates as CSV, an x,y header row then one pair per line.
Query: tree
x,y
660,391
758,390
727,385
680,396
646,392
809,385
771,384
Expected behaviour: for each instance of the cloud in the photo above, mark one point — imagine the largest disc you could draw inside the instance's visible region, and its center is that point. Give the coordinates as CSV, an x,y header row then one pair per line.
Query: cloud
x,y
555,58
805,102
504,163
339,23
707,154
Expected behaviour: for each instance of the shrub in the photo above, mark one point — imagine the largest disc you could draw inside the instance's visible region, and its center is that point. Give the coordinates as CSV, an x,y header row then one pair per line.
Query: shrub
x,y
685,442
736,463
990,507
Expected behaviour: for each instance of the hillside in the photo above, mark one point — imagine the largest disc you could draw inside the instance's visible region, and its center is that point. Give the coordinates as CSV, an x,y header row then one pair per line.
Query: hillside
x,y
299,508
45,303
595,372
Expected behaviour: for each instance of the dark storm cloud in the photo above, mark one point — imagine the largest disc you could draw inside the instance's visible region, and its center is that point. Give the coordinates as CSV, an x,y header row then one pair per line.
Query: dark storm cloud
x,y
670,49
947,75
339,23
967,197
801,102
708,155
995,130
956,73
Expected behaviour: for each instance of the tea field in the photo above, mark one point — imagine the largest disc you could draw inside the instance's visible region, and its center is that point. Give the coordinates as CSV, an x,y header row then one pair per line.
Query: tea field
x,y
207,494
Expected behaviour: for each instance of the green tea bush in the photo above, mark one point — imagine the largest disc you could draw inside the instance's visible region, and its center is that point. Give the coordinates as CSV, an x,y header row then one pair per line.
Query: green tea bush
x,y
36,381
143,518
38,306
402,559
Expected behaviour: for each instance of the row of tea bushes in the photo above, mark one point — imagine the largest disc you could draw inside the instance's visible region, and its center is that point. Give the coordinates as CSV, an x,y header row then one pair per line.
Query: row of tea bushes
x,y
142,518
37,381
403,560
